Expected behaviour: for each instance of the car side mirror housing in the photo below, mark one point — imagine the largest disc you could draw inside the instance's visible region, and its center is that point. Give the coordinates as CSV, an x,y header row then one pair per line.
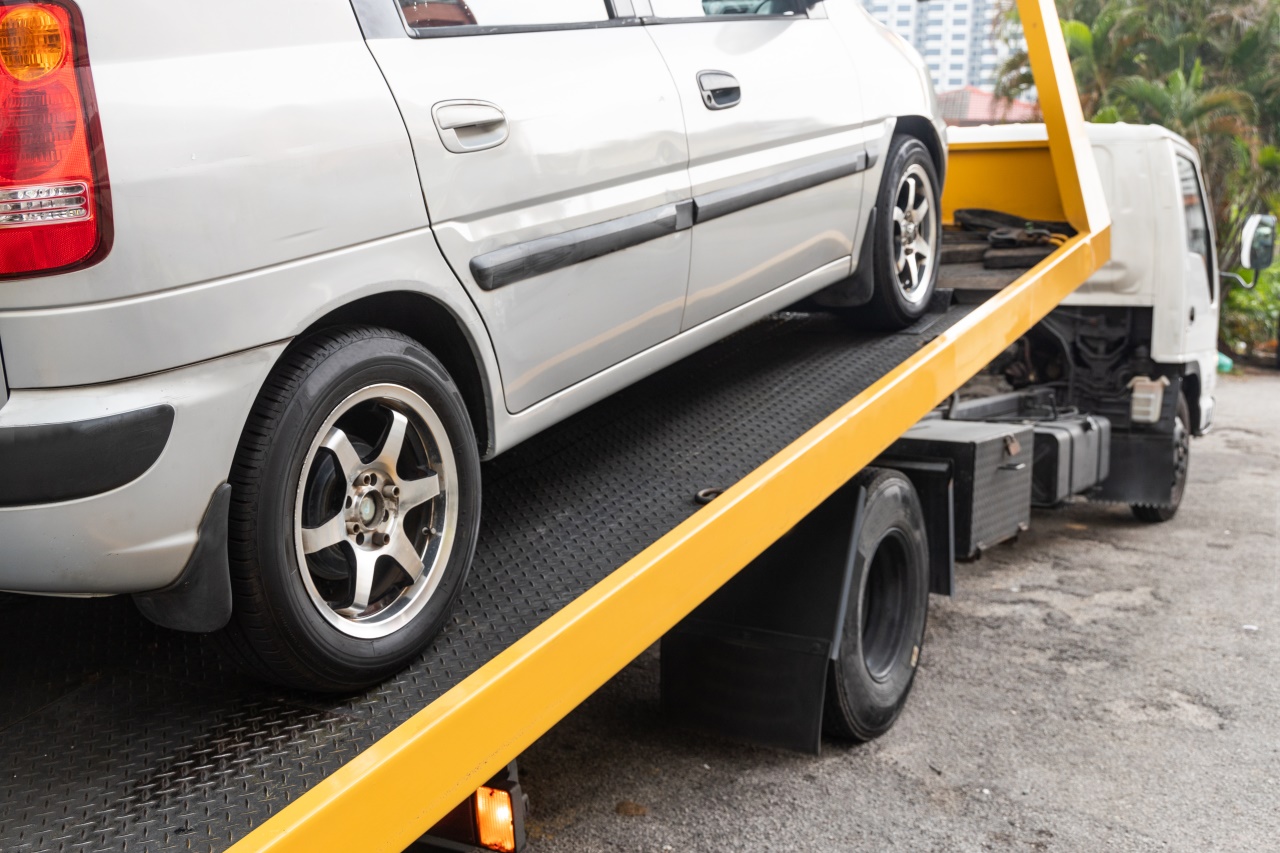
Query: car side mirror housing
x,y
1259,243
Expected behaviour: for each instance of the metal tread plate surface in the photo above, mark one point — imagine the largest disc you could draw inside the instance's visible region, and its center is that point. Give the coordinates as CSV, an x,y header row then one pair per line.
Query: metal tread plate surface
x,y
116,735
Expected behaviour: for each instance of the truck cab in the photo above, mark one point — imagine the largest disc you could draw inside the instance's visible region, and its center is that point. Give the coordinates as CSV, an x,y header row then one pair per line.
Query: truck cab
x,y
1163,267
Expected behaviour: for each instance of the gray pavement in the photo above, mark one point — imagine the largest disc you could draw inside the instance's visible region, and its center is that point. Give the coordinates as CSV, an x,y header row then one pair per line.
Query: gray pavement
x,y
1099,684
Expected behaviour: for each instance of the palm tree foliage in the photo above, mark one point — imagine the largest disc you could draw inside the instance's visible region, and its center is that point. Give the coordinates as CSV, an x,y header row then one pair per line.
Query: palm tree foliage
x,y
1207,69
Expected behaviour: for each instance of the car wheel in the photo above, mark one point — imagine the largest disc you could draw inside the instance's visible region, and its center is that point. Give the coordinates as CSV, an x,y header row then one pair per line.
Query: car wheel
x,y
355,511
1181,468
883,632
908,237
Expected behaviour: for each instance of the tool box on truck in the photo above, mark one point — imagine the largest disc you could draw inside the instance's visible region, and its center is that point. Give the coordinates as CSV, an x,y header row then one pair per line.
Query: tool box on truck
x,y
1072,455
992,467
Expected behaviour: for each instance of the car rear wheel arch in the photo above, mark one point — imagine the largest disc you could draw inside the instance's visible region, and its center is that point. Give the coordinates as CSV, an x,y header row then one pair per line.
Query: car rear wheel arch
x,y
439,329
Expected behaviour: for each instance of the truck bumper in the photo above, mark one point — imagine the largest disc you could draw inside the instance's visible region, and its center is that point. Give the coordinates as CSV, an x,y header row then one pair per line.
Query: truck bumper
x,y
105,486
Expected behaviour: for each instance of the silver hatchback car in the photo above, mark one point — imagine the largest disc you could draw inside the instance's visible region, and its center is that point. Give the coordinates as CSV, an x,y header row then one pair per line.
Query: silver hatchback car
x,y
276,277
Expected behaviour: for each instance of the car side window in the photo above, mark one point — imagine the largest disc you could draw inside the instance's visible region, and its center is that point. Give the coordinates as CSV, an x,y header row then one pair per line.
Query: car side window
x,y
428,15
686,9
1196,211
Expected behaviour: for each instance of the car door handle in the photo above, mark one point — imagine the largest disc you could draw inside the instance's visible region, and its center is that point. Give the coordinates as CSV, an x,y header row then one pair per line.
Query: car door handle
x,y
720,89
467,126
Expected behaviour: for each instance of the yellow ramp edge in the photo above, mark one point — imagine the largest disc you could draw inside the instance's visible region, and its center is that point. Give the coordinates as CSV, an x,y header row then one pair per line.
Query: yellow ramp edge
x,y
394,791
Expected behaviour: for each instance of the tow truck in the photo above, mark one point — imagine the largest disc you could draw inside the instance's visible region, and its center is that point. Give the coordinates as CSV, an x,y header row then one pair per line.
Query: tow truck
x,y
717,507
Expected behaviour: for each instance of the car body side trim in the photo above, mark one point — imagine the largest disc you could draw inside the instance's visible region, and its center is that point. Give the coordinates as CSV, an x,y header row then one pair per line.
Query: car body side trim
x,y
521,261
50,463
713,205
511,264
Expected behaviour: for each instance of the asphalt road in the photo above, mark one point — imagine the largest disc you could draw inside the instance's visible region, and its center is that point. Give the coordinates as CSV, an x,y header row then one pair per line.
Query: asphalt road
x,y
1098,685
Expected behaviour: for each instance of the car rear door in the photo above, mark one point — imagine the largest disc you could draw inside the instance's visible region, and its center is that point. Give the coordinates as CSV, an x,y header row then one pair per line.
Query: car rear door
x,y
776,142
552,154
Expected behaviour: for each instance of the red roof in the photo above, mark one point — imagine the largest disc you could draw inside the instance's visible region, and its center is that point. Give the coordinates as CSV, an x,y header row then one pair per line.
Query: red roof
x,y
973,106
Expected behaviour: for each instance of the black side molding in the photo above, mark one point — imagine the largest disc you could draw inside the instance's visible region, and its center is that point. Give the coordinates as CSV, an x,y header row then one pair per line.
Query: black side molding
x,y
200,599
723,202
546,254
61,462
511,264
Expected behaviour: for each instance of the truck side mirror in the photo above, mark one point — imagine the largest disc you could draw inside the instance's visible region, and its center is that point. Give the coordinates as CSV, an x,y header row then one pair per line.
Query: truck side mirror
x,y
1259,249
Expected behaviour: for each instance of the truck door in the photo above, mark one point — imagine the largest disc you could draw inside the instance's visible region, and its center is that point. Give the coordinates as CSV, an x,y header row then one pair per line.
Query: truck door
x,y
1201,283
551,150
773,113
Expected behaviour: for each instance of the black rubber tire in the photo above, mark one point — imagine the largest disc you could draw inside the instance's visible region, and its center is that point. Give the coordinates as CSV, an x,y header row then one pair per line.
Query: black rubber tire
x,y
883,632
888,308
1182,444
276,632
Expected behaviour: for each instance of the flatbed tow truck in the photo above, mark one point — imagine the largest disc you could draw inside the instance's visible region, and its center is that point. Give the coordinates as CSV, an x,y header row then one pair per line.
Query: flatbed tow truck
x,y
116,735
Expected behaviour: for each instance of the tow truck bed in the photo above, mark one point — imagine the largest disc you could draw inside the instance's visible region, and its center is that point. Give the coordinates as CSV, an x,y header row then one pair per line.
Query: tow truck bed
x,y
117,735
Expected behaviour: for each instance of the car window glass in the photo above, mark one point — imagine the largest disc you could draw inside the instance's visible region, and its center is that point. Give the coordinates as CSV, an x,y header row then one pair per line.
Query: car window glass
x,y
726,8
429,14
1197,219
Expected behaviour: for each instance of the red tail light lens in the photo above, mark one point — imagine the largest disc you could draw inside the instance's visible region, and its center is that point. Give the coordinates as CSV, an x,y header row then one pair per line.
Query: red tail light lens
x,y
53,191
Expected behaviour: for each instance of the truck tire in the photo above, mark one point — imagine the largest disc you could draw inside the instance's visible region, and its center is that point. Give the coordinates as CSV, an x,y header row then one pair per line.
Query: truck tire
x,y
1181,467
883,631
908,238
355,511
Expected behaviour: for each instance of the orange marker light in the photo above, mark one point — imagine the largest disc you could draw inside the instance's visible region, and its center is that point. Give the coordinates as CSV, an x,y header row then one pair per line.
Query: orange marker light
x,y
32,43
495,819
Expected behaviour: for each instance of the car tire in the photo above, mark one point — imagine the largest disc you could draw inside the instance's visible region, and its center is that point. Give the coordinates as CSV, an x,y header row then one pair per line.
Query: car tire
x,y
355,511
1181,468
909,220
883,630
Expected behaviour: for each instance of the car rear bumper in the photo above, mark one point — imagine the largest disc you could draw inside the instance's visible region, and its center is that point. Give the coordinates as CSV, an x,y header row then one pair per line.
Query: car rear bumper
x,y
104,487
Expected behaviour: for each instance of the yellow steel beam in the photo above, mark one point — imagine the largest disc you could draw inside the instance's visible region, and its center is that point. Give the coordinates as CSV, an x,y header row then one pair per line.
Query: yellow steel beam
x,y
1078,181
393,791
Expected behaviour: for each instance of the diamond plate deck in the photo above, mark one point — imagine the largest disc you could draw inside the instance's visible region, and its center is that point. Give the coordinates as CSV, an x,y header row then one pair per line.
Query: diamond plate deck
x,y
116,735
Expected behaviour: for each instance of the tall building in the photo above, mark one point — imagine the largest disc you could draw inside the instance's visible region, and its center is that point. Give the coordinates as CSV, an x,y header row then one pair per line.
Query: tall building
x,y
956,38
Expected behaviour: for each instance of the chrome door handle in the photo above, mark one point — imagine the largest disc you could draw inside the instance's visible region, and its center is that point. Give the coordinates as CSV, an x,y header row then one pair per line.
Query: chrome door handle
x,y
466,126
720,89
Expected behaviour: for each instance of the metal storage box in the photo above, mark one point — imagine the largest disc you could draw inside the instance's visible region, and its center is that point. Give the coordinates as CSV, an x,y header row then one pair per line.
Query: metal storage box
x,y
992,467
1072,455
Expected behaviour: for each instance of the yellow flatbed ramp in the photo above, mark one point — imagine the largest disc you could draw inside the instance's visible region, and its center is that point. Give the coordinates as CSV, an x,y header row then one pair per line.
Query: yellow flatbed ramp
x,y
117,736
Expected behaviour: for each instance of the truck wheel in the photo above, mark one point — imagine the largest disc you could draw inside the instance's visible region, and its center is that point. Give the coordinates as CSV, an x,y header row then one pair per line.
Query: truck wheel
x,y
355,510
908,235
868,683
1181,467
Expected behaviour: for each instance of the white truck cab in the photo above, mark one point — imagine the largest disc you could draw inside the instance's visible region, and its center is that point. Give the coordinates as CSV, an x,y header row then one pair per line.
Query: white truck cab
x,y
1163,246
1137,343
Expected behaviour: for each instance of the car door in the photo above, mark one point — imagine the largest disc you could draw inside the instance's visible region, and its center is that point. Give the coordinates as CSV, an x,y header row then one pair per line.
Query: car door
x,y
551,149
777,144
1200,284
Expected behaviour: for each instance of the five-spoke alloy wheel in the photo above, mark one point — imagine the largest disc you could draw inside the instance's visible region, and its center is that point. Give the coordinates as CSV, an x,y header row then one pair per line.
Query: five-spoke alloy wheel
x,y
907,235
376,511
915,234
355,510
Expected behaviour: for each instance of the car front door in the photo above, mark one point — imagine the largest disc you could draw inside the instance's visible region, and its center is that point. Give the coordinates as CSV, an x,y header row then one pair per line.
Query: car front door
x,y
776,142
552,154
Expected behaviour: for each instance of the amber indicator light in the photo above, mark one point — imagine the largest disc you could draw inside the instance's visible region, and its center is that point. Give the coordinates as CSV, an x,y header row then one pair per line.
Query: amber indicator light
x,y
32,43
495,819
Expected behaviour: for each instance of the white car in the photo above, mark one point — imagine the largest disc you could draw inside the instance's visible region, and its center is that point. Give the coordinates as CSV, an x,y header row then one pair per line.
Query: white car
x,y
275,277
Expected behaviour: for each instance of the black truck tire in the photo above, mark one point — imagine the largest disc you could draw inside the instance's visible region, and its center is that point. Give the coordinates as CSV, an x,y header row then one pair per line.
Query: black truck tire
x,y
883,631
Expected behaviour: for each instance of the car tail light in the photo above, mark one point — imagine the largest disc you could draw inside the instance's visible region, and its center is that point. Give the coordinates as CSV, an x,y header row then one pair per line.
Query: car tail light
x,y
54,214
